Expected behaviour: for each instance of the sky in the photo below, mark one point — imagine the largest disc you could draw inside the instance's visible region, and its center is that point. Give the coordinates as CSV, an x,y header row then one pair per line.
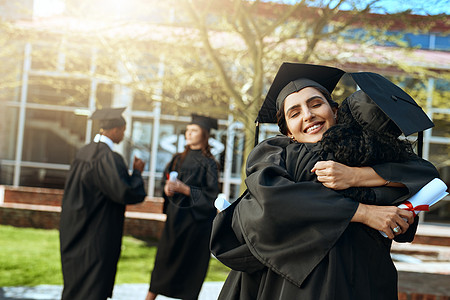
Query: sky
x,y
45,8
419,7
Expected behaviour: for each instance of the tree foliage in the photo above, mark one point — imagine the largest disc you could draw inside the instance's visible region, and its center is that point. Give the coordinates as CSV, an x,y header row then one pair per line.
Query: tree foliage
x,y
215,57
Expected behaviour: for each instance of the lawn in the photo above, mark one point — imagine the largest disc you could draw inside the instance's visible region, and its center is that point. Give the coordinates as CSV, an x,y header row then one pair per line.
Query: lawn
x,y
31,257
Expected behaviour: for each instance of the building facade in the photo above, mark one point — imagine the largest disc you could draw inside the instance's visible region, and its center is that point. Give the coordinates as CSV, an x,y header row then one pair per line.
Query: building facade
x,y
52,82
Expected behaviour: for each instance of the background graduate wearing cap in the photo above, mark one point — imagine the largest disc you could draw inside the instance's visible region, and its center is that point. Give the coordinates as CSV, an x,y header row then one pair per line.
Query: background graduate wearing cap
x,y
183,252
296,239
96,192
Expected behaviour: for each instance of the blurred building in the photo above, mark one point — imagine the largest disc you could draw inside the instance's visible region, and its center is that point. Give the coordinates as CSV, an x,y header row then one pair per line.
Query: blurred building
x,y
51,82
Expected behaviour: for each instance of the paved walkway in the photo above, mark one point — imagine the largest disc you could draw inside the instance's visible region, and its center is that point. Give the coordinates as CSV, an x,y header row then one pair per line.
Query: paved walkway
x,y
210,291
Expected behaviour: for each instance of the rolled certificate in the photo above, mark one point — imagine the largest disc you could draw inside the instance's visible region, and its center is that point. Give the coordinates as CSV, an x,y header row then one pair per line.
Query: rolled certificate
x,y
431,193
221,202
173,176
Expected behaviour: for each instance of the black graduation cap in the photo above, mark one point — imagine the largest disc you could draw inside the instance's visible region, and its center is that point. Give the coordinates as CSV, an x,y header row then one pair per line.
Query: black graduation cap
x,y
369,115
204,122
109,117
394,102
328,77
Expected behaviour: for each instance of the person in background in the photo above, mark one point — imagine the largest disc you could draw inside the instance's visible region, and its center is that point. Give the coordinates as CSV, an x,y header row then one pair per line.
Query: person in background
x,y
183,254
97,190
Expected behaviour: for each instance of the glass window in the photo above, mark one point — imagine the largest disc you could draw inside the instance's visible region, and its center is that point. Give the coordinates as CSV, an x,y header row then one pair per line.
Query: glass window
x,y
441,125
52,136
442,43
42,177
418,40
44,57
58,91
77,60
9,120
139,143
11,58
439,154
6,174
104,95
439,213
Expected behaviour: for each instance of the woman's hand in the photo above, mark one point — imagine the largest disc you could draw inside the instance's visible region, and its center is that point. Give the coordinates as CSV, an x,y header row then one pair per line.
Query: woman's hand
x,y
334,175
338,176
172,187
389,219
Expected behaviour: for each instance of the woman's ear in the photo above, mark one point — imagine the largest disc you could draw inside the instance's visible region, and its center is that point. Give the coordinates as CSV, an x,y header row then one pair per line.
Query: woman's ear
x,y
335,110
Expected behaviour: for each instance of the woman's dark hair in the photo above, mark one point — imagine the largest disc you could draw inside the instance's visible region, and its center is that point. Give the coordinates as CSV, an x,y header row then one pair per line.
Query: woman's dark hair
x,y
354,146
281,120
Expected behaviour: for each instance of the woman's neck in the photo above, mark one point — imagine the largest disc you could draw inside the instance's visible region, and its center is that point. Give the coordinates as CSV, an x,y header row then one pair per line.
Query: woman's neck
x,y
195,147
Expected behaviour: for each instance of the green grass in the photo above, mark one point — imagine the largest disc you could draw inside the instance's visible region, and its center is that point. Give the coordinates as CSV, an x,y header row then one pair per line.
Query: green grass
x,y
31,257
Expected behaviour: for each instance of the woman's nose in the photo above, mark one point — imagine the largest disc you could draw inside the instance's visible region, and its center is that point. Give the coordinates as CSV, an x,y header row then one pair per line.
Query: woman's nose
x,y
308,115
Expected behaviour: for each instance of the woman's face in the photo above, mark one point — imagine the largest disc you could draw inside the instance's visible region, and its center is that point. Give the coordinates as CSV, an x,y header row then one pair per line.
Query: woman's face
x,y
308,115
194,137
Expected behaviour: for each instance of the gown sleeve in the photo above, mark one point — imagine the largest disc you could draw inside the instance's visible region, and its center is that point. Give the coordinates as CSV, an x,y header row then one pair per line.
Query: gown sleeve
x,y
414,174
227,242
203,196
111,177
201,175
282,220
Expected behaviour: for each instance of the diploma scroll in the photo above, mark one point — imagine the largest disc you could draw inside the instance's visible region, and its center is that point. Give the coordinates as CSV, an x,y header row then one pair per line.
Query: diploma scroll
x,y
431,193
173,176
221,202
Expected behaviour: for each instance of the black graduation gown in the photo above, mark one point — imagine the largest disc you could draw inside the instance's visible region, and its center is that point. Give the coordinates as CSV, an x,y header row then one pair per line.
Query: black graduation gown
x,y
183,255
97,189
294,240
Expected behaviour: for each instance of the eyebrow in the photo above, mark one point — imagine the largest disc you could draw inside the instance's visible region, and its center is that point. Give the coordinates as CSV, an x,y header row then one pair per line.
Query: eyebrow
x,y
307,101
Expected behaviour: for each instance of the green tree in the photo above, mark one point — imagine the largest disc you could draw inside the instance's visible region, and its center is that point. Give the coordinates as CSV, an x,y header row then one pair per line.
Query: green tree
x,y
245,41
219,56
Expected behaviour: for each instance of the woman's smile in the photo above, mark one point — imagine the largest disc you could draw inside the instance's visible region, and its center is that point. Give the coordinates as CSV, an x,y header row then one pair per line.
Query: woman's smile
x,y
314,128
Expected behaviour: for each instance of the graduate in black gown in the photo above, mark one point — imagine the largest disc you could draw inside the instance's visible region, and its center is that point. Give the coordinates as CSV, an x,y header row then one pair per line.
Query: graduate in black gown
x,y
96,192
183,252
289,237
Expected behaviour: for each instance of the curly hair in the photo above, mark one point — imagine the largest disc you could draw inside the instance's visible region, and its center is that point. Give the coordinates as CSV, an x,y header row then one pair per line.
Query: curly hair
x,y
357,147
354,146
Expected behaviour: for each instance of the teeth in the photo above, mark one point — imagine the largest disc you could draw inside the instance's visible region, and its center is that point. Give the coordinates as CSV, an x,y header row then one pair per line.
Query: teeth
x,y
312,128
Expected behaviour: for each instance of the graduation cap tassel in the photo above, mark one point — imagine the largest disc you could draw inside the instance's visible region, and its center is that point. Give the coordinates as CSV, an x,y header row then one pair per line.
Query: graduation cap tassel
x,y
420,143
256,133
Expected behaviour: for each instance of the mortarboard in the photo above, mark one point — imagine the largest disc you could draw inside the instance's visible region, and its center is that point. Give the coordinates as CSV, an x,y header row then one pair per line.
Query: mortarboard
x,y
109,117
391,99
369,115
204,122
394,102
287,77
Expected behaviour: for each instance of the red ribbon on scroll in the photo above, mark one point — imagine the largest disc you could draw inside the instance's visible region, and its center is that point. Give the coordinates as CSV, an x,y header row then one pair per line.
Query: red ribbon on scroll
x,y
410,207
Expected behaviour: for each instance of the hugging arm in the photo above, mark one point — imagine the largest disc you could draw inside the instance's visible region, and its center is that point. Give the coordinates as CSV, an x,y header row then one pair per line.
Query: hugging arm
x,y
412,174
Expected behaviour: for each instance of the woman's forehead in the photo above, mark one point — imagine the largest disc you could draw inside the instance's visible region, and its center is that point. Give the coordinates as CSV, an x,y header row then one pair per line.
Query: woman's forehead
x,y
305,95
193,127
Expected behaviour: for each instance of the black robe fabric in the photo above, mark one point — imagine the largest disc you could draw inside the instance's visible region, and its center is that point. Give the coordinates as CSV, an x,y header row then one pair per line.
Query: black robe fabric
x,y
183,253
294,240
97,189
